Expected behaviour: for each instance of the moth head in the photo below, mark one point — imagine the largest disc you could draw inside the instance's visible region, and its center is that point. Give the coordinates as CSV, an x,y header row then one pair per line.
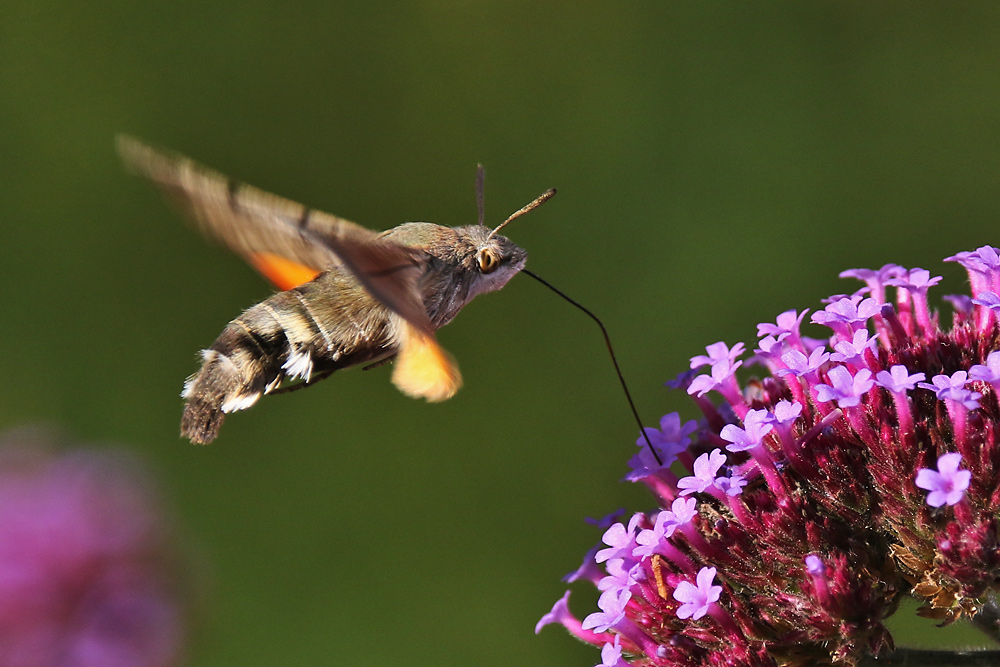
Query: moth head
x,y
497,257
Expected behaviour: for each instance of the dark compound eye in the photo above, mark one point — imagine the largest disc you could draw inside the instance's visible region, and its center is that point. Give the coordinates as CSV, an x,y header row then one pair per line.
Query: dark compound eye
x,y
488,261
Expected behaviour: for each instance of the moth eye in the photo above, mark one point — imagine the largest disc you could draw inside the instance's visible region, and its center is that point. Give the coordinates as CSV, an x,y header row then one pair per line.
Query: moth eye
x,y
488,262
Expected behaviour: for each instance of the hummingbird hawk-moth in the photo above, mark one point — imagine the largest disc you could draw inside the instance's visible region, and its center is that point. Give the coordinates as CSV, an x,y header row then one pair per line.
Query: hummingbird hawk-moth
x,y
349,296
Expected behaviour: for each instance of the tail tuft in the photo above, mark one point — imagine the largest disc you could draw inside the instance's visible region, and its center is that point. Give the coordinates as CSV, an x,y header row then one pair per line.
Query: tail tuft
x,y
210,393
201,421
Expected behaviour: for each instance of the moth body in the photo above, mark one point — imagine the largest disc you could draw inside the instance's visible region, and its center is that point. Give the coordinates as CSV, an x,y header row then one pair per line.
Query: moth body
x,y
319,327
350,296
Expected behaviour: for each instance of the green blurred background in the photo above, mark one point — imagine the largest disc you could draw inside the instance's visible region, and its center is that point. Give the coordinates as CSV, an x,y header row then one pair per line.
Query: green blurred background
x,y
716,165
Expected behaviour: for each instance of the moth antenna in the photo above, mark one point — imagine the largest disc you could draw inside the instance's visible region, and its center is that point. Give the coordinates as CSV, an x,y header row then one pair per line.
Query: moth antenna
x,y
480,184
607,339
538,201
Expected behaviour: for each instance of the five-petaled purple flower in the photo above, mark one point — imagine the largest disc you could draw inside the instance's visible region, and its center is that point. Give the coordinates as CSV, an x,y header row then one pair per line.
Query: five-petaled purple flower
x,y
947,484
786,325
853,351
916,280
612,605
611,654
844,388
898,379
697,598
756,425
852,313
799,364
620,540
706,467
717,353
720,373
876,279
648,541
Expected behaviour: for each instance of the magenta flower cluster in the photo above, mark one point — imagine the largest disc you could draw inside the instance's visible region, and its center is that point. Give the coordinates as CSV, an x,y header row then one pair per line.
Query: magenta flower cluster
x,y
84,561
852,472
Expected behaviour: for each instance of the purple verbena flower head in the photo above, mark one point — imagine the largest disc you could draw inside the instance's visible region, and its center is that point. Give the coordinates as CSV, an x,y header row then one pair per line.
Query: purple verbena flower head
x,y
85,576
819,495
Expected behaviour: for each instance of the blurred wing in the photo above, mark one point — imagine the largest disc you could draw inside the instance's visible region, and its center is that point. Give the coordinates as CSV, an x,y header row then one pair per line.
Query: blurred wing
x,y
286,241
290,243
391,273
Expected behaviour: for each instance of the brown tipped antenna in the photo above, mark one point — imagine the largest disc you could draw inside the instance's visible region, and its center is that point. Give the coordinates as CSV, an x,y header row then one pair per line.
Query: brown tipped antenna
x,y
538,201
480,184
607,338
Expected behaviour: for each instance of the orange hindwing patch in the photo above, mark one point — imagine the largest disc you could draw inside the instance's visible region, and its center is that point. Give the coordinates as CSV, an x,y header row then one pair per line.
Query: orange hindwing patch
x,y
284,273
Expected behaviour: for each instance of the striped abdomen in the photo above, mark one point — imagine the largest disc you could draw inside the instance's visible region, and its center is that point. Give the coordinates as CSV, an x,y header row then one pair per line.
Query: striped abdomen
x,y
316,328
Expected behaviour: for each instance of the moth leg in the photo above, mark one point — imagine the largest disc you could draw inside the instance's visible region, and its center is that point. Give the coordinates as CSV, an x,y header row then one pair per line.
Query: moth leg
x,y
380,362
305,383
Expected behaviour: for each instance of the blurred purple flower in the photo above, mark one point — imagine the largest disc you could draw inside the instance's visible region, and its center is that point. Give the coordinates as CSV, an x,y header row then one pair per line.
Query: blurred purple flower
x,y
85,576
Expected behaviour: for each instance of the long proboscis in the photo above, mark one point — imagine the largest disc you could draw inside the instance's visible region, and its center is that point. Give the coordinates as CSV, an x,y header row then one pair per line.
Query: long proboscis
x,y
611,351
